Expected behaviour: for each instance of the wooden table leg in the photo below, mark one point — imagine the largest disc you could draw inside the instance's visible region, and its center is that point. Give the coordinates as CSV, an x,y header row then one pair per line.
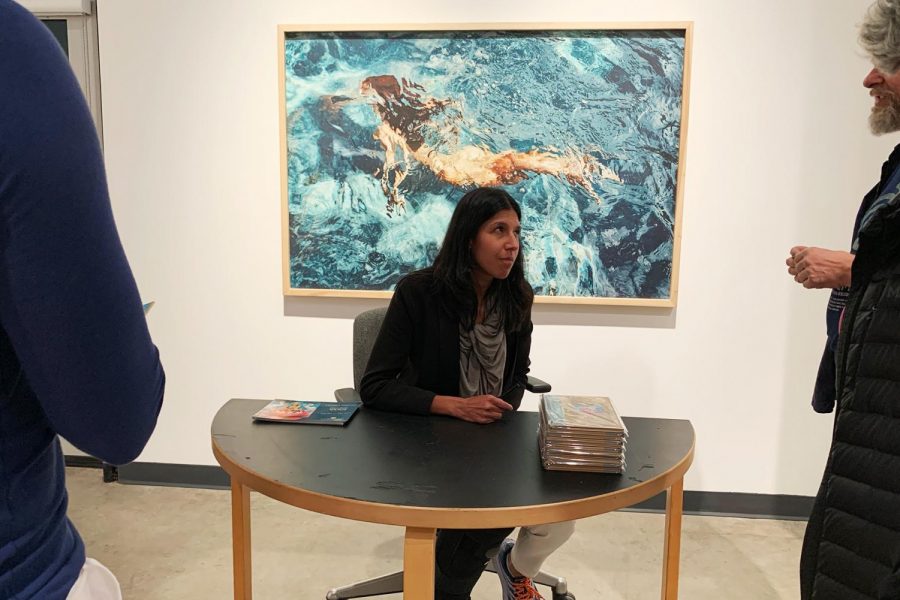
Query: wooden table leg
x,y
240,540
672,549
418,564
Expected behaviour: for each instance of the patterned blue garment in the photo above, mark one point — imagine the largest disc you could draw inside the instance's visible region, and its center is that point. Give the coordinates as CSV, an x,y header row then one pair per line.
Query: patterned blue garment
x,y
889,196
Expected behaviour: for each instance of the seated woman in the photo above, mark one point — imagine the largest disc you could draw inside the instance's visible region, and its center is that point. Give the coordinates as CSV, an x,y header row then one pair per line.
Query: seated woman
x,y
455,341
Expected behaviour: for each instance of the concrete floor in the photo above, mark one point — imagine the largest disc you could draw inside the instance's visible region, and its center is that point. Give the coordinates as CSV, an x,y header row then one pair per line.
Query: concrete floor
x,y
175,543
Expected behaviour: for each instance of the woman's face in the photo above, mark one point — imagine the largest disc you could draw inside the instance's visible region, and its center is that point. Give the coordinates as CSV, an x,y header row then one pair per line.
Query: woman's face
x,y
496,246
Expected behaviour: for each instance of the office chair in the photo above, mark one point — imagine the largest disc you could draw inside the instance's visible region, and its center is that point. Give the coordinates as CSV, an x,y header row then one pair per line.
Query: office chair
x,y
366,326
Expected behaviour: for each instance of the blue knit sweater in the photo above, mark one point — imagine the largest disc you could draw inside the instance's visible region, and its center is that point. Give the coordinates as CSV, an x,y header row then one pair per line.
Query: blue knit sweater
x,y
76,358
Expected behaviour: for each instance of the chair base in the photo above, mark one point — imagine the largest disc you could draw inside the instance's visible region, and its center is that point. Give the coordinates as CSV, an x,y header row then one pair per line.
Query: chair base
x,y
379,586
393,584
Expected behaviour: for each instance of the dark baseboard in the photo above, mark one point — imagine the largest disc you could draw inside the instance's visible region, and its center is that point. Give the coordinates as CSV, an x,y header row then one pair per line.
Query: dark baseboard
x,y
733,504
110,472
726,504
191,476
84,462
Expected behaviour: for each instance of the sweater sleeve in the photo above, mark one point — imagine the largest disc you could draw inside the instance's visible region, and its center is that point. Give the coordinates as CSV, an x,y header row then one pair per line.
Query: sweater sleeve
x,y
382,386
68,300
515,389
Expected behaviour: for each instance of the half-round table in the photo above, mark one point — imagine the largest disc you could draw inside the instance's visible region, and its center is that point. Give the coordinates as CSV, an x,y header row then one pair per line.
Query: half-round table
x,y
427,472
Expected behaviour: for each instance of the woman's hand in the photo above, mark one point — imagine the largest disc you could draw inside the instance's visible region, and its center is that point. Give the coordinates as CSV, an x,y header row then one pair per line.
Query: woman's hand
x,y
476,409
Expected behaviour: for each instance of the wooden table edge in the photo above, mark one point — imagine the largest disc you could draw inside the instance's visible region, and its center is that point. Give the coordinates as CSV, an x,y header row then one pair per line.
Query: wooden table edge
x,y
453,518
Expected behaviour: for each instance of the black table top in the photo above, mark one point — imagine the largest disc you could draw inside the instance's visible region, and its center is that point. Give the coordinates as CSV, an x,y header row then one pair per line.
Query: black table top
x,y
433,461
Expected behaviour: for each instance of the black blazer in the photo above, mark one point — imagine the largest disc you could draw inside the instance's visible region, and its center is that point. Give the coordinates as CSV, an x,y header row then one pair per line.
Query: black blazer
x,y
416,353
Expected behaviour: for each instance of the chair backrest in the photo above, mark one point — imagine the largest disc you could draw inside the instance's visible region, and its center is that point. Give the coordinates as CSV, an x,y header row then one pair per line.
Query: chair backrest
x,y
366,326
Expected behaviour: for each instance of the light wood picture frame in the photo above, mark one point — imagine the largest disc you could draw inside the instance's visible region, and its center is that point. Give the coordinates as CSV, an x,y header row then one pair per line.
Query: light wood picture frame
x,y
383,129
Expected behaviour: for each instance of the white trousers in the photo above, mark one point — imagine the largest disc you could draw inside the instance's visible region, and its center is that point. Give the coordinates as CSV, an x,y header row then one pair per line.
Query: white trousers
x,y
535,543
95,582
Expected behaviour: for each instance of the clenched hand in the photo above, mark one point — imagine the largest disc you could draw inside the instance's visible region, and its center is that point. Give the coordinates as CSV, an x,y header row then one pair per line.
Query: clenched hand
x,y
819,268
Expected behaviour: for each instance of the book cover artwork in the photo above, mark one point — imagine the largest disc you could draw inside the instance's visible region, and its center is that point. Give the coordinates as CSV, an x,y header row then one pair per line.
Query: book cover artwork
x,y
315,413
593,412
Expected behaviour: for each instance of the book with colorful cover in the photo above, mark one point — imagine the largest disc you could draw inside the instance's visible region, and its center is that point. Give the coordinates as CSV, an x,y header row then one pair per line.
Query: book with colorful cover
x,y
579,413
307,412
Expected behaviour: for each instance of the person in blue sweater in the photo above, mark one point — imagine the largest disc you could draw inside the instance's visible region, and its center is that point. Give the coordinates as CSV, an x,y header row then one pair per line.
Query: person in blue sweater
x,y
76,359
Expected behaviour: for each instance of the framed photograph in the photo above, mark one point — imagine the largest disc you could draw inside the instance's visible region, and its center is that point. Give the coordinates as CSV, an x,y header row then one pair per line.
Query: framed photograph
x,y
383,130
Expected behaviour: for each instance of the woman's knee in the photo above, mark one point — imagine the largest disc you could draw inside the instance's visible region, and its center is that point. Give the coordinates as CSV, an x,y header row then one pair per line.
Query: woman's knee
x,y
552,532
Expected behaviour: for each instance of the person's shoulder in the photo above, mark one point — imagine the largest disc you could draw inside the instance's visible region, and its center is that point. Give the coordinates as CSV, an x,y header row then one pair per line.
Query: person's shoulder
x,y
421,281
12,12
420,292
38,83
22,35
894,156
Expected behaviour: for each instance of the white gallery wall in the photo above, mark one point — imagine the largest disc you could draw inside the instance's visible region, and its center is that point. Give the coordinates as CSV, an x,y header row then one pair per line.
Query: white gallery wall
x,y
778,154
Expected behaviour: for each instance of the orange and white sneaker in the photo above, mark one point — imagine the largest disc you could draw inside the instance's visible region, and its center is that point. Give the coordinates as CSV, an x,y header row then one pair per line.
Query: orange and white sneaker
x,y
514,588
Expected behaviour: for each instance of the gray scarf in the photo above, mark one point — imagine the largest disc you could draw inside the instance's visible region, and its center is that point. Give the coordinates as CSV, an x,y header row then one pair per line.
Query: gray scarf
x,y
482,357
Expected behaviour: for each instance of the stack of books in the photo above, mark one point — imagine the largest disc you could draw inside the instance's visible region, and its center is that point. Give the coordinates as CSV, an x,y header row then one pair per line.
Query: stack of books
x,y
581,433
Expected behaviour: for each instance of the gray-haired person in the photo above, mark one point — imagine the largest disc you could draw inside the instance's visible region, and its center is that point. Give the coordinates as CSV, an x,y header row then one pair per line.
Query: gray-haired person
x,y
851,550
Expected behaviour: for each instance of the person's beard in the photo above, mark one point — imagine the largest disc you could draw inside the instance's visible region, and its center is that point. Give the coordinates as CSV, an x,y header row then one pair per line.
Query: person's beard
x,y
885,119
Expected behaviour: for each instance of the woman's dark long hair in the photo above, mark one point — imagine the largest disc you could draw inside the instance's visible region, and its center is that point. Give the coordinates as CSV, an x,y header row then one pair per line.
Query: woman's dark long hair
x,y
511,297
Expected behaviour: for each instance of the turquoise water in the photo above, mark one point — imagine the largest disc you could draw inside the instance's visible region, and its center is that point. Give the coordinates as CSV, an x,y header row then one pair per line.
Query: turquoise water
x,y
607,102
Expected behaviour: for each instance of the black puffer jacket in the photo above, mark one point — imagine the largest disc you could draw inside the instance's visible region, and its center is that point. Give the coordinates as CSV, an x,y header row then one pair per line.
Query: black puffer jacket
x,y
852,545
